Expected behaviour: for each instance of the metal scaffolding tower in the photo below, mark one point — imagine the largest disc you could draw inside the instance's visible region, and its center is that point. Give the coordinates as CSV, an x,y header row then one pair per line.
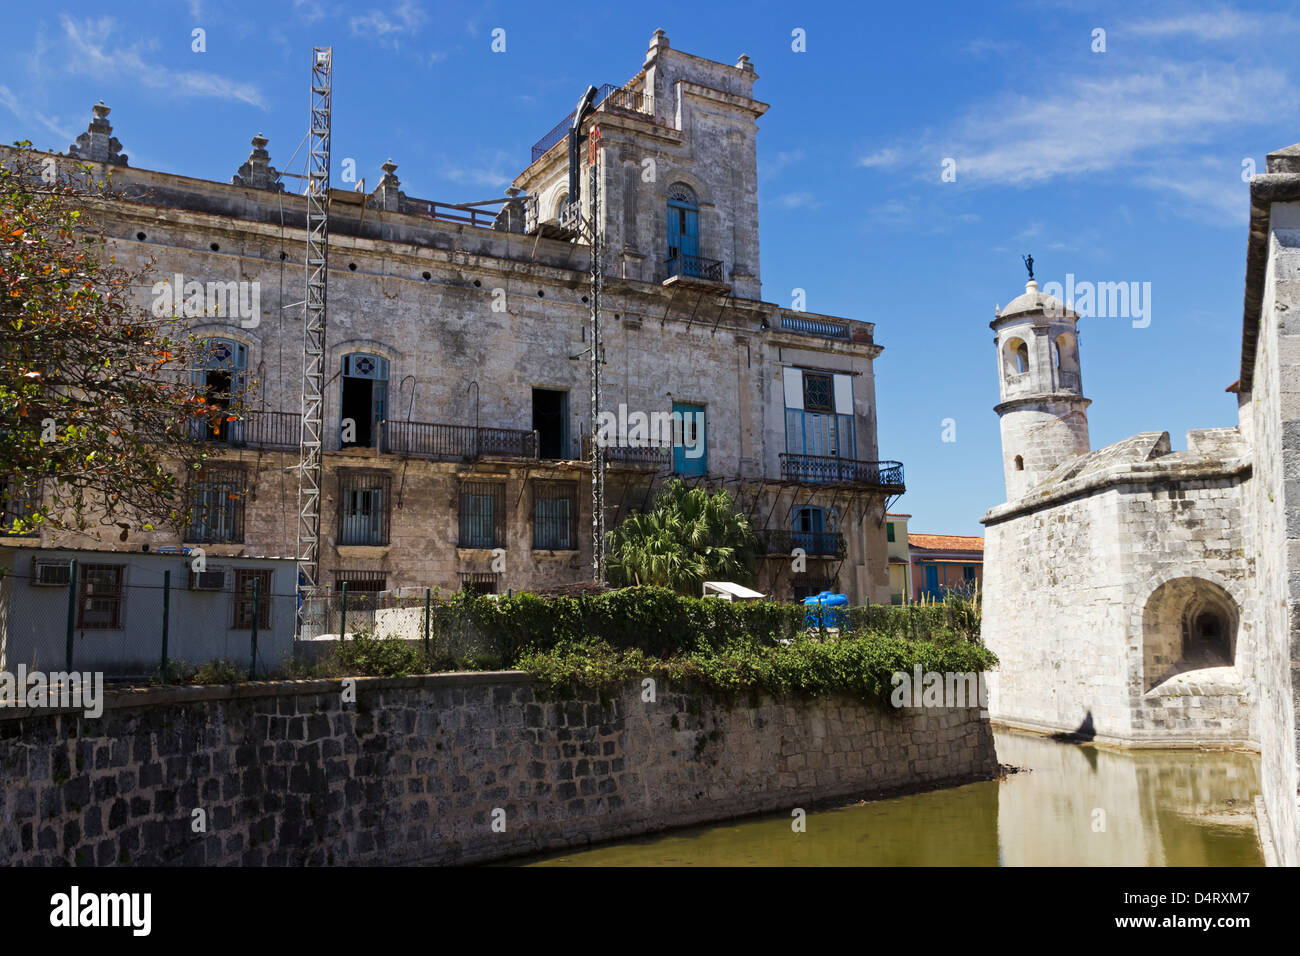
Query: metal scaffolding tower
x,y
597,447
313,329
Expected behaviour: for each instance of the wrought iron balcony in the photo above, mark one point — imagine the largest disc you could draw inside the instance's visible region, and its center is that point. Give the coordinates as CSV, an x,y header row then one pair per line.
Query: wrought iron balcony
x,y
682,266
440,442
816,544
254,429
825,470
649,456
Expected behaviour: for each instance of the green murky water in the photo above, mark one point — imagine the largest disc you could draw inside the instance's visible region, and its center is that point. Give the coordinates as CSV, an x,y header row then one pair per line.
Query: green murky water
x,y
1175,808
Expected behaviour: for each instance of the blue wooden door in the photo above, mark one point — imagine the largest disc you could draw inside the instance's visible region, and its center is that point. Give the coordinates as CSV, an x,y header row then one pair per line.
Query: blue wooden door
x,y
932,580
690,453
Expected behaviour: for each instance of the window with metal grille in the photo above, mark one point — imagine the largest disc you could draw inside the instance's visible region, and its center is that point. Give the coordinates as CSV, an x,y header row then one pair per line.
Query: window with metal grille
x,y
361,582
364,498
245,578
482,514
818,392
217,498
479,582
101,597
555,515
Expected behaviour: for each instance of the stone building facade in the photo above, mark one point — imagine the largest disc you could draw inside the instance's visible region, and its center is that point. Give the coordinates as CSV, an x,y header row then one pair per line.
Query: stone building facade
x,y
1144,597
457,407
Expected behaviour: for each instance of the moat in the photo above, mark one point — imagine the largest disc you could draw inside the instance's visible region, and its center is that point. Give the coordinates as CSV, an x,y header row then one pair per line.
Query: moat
x,y
1069,806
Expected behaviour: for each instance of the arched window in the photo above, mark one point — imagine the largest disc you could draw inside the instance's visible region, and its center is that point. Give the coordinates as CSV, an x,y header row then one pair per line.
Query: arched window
x,y
1017,357
1067,356
683,230
560,205
222,377
363,400
1020,463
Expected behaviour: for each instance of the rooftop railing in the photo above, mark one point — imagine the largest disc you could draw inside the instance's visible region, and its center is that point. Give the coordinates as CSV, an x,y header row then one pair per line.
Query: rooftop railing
x,y
830,330
608,96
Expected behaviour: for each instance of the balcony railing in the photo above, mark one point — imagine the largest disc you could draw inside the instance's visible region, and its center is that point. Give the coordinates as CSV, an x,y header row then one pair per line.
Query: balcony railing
x,y
608,96
258,429
693,267
456,442
821,469
649,456
820,544
830,330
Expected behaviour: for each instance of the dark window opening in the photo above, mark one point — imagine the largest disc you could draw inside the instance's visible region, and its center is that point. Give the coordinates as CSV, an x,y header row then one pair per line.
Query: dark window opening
x,y
555,515
364,502
360,582
550,421
889,531
217,499
812,586
101,597
479,582
1209,638
818,393
482,515
245,580
1020,463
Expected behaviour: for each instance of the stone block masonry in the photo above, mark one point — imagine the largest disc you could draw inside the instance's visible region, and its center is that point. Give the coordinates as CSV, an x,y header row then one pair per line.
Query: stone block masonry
x,y
418,769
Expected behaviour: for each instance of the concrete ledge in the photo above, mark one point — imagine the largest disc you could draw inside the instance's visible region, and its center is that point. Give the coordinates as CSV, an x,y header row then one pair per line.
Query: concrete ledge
x,y
1134,742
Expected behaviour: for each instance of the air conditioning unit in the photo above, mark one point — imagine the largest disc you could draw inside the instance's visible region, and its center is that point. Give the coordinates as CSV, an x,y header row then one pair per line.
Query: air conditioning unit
x,y
212,580
51,572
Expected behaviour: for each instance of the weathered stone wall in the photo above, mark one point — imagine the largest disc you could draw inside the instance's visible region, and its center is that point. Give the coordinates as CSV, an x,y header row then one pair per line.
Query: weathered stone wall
x,y
1272,412
1068,584
288,774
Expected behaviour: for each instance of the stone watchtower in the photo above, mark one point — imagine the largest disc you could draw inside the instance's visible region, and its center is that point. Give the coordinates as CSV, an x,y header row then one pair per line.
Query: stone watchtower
x,y
1043,412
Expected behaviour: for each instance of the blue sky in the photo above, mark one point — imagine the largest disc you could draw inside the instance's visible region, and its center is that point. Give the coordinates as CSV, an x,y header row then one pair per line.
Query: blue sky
x,y
1123,165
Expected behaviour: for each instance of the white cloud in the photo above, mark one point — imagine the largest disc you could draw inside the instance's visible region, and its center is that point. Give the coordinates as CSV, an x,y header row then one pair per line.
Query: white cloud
x,y
798,200
1216,25
29,115
770,167
882,158
1141,124
90,56
407,17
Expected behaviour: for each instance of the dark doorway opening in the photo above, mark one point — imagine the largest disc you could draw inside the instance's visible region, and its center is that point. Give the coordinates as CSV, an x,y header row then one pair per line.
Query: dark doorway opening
x,y
550,421
357,394
216,391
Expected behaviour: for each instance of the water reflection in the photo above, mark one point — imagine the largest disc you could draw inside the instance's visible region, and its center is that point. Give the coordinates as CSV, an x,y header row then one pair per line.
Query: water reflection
x,y
1076,806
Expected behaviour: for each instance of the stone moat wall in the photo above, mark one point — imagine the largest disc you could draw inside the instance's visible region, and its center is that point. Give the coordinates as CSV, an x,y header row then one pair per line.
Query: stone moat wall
x,y
439,769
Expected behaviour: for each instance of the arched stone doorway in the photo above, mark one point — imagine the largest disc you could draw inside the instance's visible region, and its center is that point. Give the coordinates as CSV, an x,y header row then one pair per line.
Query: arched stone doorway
x,y
1188,623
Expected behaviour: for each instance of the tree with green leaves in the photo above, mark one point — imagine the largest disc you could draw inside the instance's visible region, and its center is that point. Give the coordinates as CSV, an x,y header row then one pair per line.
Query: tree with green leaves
x,y
101,415
688,537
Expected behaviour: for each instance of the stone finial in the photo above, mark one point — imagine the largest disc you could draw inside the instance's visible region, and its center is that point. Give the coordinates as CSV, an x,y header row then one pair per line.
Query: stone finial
x,y
98,144
257,172
1283,160
658,42
388,194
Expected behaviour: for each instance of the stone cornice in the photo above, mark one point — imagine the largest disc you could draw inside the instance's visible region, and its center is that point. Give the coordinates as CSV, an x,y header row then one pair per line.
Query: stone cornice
x,y
1265,189
1122,473
1052,398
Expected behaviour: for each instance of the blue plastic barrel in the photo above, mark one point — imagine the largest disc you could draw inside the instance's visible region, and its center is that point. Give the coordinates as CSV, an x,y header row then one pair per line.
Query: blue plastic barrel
x,y
827,608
